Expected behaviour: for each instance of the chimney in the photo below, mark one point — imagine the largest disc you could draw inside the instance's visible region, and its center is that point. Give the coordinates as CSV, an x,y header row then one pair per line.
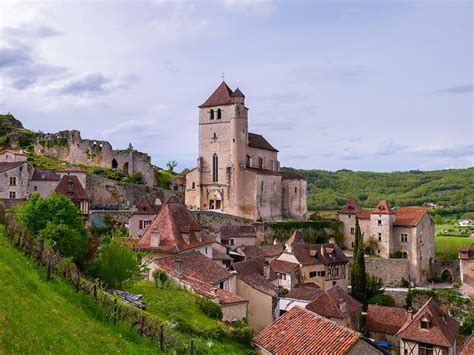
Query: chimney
x,y
342,305
155,238
178,266
266,270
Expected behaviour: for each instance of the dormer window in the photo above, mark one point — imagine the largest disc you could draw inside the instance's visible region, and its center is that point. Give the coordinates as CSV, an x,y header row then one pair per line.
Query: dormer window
x,y
186,237
425,322
219,113
211,114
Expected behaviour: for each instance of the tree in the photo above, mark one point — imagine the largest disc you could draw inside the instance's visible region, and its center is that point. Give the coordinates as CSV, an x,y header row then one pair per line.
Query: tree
x,y
116,264
438,219
171,165
66,240
358,275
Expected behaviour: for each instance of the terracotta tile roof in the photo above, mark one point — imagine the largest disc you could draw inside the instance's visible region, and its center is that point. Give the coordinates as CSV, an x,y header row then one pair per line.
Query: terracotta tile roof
x,y
441,332
252,272
467,347
45,175
291,175
271,250
352,305
260,171
240,231
195,265
329,304
258,141
14,152
382,319
306,292
210,291
70,187
382,207
145,207
351,206
10,165
466,253
327,254
177,228
219,255
364,214
283,266
221,96
296,237
253,251
300,331
409,216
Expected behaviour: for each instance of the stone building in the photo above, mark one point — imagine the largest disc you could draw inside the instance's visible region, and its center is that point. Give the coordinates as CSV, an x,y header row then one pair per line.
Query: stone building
x,y
406,231
466,258
143,216
238,172
71,187
43,182
15,174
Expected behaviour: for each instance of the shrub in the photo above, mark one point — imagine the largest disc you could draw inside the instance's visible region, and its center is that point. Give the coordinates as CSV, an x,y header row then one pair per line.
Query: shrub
x,y
282,292
210,308
382,300
66,240
160,278
397,255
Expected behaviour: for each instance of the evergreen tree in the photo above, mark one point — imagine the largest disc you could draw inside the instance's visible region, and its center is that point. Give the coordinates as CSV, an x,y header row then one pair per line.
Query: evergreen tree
x,y
358,275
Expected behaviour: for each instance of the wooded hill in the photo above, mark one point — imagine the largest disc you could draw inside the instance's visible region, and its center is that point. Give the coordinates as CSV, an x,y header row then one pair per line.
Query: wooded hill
x,y
453,188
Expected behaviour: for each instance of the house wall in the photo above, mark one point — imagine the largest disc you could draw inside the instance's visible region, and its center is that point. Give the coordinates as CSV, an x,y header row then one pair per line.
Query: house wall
x,y
467,271
363,347
424,249
43,188
192,195
134,229
81,176
260,312
234,312
412,348
9,157
22,174
294,197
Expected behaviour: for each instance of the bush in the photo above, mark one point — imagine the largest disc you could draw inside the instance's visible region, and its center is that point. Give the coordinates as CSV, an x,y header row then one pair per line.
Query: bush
x,y
382,300
397,255
209,308
282,292
160,278
65,240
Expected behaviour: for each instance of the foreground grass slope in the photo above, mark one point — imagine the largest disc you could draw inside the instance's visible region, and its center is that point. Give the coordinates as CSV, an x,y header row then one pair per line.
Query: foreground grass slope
x,y
49,317
329,190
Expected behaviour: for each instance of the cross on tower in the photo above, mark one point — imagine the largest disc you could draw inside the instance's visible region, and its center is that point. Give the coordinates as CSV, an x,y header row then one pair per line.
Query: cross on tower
x,y
222,76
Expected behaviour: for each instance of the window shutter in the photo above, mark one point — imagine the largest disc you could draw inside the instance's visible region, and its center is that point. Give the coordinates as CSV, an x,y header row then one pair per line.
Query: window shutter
x,y
140,224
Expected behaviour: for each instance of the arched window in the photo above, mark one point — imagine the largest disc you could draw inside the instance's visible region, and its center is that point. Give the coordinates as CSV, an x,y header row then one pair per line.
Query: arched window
x,y
219,114
215,168
194,185
214,136
114,164
405,255
211,114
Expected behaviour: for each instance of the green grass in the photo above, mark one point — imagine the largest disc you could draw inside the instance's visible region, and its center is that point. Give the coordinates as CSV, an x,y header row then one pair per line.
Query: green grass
x,y
446,248
47,163
178,306
50,317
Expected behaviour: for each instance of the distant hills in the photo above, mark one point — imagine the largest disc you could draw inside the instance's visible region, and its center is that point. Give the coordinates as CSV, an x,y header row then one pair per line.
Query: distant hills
x,y
452,188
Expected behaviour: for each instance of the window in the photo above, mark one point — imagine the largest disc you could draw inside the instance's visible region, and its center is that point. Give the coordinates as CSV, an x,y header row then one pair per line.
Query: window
x,y
215,168
425,349
211,114
321,273
262,186
274,186
12,194
221,284
352,230
350,216
312,274
146,223
35,188
334,283
378,251
219,114
405,255
282,276
232,242
205,251
260,163
379,222
214,137
404,237
296,190
12,181
380,237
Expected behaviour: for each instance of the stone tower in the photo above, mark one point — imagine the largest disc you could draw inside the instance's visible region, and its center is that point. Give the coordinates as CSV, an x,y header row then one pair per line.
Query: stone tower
x,y
223,135
382,219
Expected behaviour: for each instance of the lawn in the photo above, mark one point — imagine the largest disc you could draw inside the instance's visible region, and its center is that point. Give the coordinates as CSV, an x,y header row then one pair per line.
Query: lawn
x,y
178,306
446,248
50,317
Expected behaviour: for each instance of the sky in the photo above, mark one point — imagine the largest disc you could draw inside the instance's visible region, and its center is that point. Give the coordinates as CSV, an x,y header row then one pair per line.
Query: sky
x,y
360,85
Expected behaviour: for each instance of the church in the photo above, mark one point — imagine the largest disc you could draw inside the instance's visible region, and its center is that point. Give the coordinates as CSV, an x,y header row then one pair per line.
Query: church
x,y
238,172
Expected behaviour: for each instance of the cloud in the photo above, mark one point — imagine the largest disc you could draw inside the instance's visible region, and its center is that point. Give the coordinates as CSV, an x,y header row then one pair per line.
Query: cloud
x,y
390,148
251,7
452,152
459,89
25,31
333,74
94,84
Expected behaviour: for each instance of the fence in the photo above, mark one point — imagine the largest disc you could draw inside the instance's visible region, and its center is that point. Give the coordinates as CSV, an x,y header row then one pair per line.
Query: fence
x,y
145,324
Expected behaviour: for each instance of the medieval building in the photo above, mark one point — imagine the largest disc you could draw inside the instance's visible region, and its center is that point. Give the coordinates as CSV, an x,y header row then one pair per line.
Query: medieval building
x,y
238,172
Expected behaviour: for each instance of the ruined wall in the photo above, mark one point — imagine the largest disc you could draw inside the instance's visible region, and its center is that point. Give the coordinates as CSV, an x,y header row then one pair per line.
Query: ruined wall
x,y
112,195
70,147
391,271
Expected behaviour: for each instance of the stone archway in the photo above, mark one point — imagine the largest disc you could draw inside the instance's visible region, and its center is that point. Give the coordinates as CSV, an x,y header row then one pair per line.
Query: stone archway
x,y
215,200
125,167
114,164
446,276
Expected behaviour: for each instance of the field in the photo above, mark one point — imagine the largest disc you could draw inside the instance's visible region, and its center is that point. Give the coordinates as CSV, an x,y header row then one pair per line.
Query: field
x,y
446,248
50,317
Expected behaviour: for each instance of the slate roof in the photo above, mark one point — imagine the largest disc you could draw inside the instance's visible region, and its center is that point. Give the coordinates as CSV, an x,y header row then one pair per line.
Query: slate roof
x,y
383,319
221,96
240,231
328,304
441,332
10,165
45,175
258,141
467,347
306,292
300,331
145,207
71,187
252,272
14,152
174,222
283,266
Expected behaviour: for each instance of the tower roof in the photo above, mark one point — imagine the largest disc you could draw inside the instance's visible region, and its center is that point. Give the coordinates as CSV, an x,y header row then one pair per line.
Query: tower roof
x,y
238,93
382,208
221,96
351,206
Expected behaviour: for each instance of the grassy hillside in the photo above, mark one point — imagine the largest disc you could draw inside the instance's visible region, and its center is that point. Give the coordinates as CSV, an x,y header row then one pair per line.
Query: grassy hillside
x,y
329,190
49,317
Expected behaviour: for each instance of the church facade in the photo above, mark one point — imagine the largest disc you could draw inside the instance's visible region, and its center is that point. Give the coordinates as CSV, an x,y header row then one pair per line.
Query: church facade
x,y
237,171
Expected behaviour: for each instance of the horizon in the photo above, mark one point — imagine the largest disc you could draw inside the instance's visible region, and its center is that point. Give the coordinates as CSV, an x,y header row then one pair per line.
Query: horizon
x,y
366,87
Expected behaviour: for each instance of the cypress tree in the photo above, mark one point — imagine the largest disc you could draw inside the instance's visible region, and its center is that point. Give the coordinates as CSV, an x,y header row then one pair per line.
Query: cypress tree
x,y
358,275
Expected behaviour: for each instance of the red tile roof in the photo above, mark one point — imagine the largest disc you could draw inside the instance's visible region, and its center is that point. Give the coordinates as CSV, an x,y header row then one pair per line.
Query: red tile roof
x,y
351,206
271,250
174,223
466,253
387,320
258,141
45,175
252,272
10,165
221,96
443,328
409,216
283,266
296,237
268,251
145,207
329,304
71,187
467,347
306,292
327,254
291,175
300,331
382,208
239,231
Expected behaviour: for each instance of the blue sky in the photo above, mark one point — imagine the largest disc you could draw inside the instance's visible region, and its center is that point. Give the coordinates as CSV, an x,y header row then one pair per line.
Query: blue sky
x,y
379,85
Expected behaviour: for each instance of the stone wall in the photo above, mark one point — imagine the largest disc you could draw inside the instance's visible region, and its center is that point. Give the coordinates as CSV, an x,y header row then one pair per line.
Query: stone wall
x,y
70,147
106,194
399,295
391,271
438,267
